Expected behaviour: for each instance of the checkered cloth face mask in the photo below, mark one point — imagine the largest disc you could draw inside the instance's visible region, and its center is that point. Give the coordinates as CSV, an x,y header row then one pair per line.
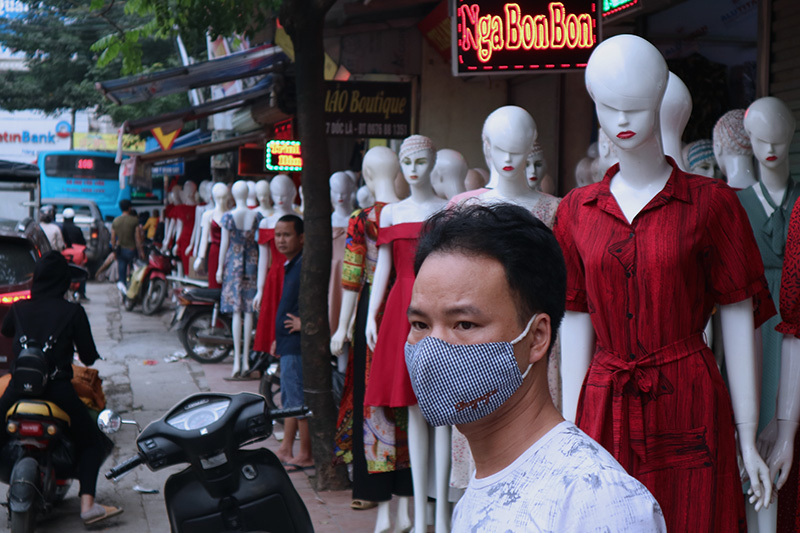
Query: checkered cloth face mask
x,y
462,383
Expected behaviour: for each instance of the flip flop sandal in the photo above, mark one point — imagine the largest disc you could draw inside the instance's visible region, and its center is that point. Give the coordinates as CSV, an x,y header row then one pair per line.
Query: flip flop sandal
x,y
98,513
291,467
362,505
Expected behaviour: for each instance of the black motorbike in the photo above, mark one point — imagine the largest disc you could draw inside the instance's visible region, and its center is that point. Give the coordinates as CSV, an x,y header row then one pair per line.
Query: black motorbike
x,y
203,329
224,488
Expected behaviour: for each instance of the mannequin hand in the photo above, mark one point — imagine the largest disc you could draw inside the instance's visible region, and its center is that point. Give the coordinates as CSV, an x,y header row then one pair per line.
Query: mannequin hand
x,y
338,340
165,245
188,250
257,301
781,455
175,250
372,333
766,440
760,483
219,275
198,262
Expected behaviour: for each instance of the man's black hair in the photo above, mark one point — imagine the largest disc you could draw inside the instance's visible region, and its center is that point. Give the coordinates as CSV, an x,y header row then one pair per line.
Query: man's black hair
x,y
511,235
124,205
295,220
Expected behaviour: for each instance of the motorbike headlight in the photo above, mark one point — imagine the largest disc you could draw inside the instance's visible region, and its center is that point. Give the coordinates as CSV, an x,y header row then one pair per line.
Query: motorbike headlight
x,y
52,429
11,427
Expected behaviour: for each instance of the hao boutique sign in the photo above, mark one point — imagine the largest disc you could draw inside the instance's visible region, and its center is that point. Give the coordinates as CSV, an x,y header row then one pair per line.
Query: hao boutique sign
x,y
368,109
501,37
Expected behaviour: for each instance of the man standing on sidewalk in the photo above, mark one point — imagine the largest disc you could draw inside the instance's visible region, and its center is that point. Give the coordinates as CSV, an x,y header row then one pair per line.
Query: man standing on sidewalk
x,y
289,242
123,241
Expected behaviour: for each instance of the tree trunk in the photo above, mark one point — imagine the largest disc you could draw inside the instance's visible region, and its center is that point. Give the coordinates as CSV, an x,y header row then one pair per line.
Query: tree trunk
x,y
303,20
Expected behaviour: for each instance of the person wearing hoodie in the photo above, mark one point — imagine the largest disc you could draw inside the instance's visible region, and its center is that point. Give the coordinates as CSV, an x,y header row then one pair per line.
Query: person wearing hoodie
x,y
40,317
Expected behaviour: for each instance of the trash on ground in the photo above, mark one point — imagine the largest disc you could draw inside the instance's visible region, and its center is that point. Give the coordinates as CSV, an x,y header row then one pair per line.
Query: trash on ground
x,y
144,490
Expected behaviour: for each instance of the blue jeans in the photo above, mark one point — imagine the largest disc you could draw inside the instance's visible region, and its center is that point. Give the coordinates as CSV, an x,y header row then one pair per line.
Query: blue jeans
x,y
291,381
125,257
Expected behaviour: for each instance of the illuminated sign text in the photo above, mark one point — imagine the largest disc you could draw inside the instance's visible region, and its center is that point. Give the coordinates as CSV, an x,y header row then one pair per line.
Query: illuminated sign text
x,y
495,36
615,6
284,156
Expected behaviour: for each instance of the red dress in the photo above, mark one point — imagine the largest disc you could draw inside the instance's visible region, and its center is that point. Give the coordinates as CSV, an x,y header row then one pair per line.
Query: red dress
x,y
215,236
653,395
273,287
789,495
389,384
186,214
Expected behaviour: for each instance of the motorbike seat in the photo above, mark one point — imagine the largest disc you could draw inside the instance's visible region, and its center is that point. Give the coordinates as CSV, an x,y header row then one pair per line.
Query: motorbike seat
x,y
203,294
38,408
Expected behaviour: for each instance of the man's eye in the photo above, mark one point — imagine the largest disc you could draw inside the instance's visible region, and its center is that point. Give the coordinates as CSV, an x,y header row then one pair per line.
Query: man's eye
x,y
418,325
465,325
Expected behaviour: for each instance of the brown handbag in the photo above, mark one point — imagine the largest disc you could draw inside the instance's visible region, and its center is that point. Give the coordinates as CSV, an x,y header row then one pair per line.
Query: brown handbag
x,y
89,387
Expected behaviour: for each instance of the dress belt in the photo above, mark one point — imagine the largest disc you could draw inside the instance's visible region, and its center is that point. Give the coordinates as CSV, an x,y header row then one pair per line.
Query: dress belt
x,y
643,373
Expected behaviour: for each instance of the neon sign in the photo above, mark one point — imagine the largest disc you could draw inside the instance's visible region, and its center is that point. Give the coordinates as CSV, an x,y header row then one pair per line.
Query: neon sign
x,y
499,37
85,164
615,6
284,156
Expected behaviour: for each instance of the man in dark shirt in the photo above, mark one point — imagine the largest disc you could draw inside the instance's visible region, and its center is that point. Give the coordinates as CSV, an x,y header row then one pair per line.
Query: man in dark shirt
x,y
289,242
123,240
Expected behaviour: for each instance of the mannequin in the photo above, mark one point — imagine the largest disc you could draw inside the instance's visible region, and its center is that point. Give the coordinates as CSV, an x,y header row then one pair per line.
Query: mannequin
x,y
362,430
770,125
354,178
252,196
184,224
262,195
676,108
606,155
342,189
270,262
448,176
238,263
733,150
174,199
211,234
364,197
299,208
585,171
204,191
476,179
535,167
649,362
389,384
699,157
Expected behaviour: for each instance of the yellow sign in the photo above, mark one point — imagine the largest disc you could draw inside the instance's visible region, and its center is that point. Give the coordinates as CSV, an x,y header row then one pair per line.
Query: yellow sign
x,y
106,142
283,40
165,140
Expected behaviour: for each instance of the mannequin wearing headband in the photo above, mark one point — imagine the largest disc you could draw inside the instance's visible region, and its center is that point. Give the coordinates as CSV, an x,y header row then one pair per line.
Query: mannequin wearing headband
x,y
733,150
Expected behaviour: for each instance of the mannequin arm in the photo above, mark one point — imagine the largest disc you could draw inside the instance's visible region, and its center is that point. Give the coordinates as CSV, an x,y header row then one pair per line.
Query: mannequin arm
x,y
223,249
178,231
264,260
349,299
197,231
738,337
168,227
788,411
379,284
577,347
202,243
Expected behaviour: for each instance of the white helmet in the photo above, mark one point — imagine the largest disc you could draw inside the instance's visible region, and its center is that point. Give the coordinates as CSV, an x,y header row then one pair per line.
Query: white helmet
x,y
69,213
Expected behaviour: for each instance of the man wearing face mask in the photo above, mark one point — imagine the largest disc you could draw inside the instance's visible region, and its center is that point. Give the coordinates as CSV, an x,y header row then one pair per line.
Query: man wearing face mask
x,y
483,275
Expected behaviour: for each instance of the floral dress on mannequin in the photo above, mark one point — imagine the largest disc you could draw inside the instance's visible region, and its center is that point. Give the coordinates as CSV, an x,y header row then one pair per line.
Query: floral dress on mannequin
x,y
241,267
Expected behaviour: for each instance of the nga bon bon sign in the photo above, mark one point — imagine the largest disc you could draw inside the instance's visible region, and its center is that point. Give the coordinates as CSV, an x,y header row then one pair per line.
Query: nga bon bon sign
x,y
502,37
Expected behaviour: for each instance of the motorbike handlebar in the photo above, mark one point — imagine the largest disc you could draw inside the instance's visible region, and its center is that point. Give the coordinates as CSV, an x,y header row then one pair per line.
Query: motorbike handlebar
x,y
292,412
124,468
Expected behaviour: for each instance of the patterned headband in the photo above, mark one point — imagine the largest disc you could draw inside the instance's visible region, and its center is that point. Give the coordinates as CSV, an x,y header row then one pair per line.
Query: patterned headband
x,y
416,143
729,133
698,152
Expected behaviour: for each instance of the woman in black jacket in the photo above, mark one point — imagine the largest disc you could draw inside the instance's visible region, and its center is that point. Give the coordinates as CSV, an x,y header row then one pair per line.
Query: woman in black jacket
x,y
39,318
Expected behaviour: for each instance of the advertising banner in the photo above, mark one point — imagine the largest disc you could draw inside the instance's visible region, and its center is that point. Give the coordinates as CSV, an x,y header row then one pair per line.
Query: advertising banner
x,y
368,109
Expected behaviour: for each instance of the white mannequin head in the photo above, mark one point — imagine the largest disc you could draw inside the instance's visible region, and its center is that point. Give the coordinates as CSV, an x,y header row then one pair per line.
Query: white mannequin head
x,y
252,199
508,136
189,192
584,173
417,159
676,108
175,196
626,76
219,192
205,191
606,155
283,191
240,191
262,193
364,197
380,163
699,157
730,138
535,167
449,173
770,124
593,151
341,191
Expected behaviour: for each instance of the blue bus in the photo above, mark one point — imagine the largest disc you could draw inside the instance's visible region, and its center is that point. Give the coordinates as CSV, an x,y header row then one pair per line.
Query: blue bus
x,y
92,176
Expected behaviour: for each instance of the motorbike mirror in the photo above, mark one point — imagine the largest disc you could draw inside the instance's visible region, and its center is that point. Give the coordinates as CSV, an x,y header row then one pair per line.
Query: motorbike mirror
x,y
109,421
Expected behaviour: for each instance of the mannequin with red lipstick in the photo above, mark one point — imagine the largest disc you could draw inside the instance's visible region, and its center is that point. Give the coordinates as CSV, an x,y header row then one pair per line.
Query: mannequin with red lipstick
x,y
649,251
389,384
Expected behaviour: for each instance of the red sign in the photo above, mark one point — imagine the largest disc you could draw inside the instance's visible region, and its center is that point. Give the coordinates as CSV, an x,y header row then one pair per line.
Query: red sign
x,y
436,28
499,37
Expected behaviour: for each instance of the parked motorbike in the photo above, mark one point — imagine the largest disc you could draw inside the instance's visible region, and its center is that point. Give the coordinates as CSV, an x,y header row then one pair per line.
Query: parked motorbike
x,y
148,283
76,257
203,329
224,488
36,461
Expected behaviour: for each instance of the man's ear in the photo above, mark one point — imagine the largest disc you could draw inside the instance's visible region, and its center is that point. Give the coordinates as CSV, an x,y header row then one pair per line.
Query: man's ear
x,y
540,337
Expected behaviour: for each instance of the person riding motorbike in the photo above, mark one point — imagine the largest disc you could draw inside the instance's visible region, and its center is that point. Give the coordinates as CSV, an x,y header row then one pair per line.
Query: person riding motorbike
x,y
39,316
73,235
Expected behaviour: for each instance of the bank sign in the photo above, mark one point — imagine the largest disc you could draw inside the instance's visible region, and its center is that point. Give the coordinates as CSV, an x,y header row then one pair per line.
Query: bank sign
x,y
500,37
368,109
23,134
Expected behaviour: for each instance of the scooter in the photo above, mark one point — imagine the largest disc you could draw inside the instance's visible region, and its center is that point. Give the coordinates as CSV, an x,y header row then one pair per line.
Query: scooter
x,y
224,488
204,331
76,257
148,283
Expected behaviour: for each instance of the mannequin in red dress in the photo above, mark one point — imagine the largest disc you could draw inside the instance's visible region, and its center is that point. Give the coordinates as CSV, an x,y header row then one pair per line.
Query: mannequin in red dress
x,y
174,199
389,384
270,262
646,241
211,233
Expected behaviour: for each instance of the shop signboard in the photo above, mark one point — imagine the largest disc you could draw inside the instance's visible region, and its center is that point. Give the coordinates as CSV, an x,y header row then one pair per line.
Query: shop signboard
x,y
172,167
368,109
284,156
612,7
504,37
